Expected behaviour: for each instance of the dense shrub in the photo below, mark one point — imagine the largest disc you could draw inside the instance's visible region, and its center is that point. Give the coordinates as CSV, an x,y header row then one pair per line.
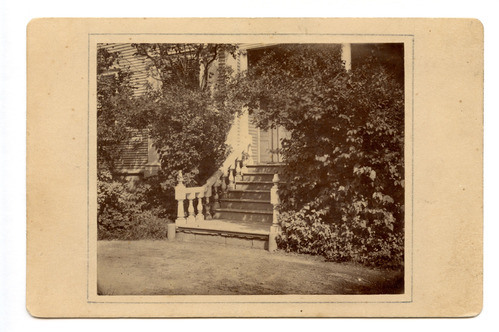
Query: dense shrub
x,y
128,211
344,172
310,231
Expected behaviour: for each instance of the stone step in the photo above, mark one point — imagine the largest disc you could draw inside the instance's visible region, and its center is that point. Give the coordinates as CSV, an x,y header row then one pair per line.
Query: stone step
x,y
259,177
263,195
226,232
245,204
265,168
253,185
256,216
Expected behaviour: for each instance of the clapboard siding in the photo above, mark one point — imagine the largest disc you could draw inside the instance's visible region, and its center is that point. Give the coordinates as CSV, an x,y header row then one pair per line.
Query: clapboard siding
x,y
136,64
221,67
134,153
253,131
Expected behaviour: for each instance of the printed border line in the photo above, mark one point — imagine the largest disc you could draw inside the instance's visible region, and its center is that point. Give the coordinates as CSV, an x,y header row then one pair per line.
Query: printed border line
x,y
88,166
262,302
412,176
250,34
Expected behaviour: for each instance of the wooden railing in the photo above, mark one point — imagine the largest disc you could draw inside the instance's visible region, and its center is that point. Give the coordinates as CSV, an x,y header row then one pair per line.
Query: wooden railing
x,y
201,201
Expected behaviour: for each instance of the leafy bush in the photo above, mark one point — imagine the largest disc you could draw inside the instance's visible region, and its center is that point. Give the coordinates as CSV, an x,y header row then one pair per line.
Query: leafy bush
x,y
345,159
128,212
310,231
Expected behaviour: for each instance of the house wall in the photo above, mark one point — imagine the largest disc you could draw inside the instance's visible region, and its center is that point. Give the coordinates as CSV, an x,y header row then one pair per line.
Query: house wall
x,y
239,137
138,158
252,130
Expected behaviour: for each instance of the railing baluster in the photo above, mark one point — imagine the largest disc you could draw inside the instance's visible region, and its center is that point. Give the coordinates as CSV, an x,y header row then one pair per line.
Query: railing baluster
x,y
249,161
200,215
216,188
224,183
238,171
208,209
231,179
208,193
244,169
191,217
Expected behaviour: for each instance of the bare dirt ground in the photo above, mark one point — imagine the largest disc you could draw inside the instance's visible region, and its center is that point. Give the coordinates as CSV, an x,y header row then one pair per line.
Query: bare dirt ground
x,y
197,268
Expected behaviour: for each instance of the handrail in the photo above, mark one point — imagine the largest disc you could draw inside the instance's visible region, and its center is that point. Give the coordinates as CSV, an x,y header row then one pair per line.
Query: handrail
x,y
216,184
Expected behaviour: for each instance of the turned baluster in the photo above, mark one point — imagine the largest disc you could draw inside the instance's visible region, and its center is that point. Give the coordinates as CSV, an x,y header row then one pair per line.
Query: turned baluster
x,y
190,209
207,208
232,185
224,183
249,161
238,171
244,169
180,197
216,188
200,215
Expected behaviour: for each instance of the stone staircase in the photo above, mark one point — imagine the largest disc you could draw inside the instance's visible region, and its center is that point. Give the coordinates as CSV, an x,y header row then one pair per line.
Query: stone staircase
x,y
244,215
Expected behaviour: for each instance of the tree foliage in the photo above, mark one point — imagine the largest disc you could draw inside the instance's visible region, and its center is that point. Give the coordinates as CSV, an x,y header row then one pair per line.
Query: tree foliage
x,y
188,120
114,104
184,114
344,163
184,65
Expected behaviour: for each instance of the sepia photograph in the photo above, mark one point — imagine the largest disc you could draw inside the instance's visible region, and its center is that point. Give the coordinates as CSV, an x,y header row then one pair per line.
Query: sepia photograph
x,y
250,168
208,168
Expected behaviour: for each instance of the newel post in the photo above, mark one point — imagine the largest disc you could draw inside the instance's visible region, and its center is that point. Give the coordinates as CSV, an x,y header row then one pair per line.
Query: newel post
x,y
180,197
275,229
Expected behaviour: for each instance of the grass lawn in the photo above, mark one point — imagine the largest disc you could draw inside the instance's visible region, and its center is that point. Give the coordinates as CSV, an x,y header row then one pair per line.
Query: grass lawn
x,y
197,268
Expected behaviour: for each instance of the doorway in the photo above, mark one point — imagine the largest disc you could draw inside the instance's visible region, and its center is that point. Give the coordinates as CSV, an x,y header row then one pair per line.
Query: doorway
x,y
269,145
